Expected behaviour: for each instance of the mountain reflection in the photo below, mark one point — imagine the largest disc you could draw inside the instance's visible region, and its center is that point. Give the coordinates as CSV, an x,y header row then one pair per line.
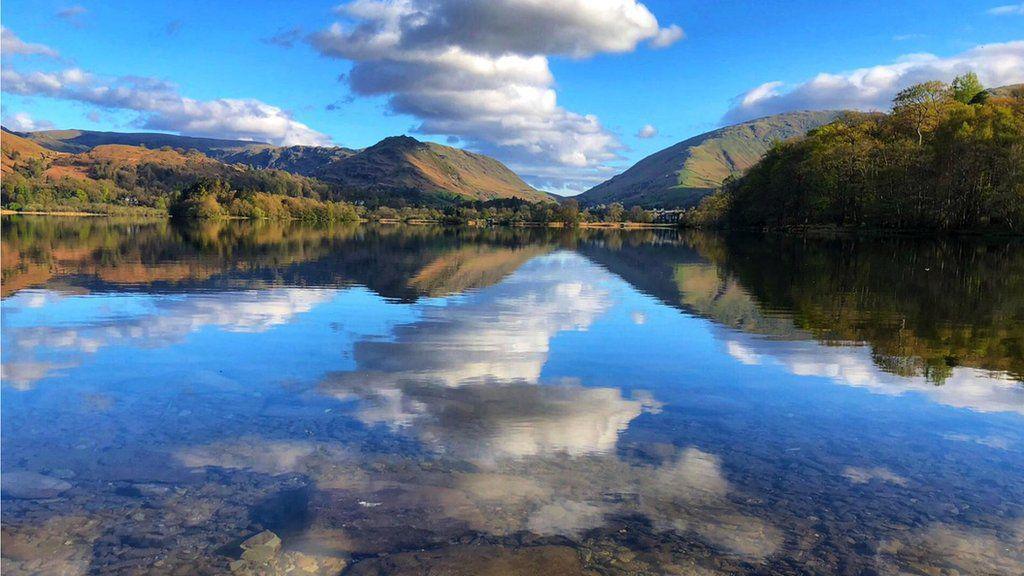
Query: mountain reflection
x,y
942,318
403,263
393,400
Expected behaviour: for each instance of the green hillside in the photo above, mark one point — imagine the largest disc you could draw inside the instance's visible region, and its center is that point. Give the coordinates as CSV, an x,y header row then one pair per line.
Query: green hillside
x,y
679,176
942,159
75,141
401,164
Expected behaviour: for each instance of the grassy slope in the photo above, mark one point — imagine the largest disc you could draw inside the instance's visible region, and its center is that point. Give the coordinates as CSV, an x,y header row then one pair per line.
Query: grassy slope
x,y
401,166
84,140
679,176
404,163
16,149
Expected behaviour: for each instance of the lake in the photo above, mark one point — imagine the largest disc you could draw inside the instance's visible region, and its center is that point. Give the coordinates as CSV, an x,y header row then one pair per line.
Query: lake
x,y
413,400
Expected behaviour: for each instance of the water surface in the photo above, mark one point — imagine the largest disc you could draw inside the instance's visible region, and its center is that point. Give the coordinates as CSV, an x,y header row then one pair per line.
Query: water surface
x,y
409,400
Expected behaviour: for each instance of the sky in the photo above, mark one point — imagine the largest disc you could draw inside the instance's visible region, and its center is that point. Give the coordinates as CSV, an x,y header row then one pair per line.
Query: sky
x,y
566,92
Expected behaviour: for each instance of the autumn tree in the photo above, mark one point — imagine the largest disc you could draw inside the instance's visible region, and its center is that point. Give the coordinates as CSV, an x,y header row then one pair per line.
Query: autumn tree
x,y
920,105
966,88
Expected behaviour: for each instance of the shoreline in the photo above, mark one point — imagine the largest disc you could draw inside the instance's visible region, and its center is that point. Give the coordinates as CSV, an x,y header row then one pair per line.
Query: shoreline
x,y
390,221
813,231
6,212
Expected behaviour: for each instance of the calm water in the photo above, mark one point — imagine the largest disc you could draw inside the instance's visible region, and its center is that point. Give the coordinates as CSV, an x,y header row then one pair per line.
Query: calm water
x,y
412,400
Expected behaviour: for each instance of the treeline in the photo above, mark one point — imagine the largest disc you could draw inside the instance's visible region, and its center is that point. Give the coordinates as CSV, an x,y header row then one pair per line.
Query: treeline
x,y
217,199
947,157
188,185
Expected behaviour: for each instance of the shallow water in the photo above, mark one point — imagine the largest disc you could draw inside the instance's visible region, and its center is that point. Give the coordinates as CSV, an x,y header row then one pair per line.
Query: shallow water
x,y
409,400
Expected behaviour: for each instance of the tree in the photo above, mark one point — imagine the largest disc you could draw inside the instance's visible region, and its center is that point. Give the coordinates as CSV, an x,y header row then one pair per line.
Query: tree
x,y
199,201
638,214
569,212
920,105
966,87
615,212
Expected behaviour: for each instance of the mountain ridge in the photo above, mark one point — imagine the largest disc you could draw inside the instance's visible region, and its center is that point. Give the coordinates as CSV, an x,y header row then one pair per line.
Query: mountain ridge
x,y
396,169
680,175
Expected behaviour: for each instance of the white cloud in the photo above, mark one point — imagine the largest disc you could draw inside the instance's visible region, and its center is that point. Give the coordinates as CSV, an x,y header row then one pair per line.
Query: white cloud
x,y
647,131
479,71
1007,10
11,45
162,107
873,88
23,122
668,36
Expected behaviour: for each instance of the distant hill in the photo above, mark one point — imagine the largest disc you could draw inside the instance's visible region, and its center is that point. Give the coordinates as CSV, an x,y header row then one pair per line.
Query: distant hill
x,y
679,176
1008,91
401,163
304,160
398,167
75,141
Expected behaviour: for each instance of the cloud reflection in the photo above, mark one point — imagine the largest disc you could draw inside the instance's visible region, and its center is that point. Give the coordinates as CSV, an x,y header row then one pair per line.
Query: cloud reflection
x,y
166,321
853,365
464,377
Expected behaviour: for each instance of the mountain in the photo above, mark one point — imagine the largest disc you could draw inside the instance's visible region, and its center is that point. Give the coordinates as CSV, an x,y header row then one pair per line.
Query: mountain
x,y
17,149
422,172
304,160
398,167
1008,91
401,163
679,176
75,141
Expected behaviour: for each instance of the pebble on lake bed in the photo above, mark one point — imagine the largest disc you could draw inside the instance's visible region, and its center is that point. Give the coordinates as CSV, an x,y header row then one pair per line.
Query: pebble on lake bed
x,y
262,556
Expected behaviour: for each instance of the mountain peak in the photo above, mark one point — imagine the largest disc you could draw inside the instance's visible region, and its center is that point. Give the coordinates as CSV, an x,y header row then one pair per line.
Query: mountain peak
x,y
680,175
398,142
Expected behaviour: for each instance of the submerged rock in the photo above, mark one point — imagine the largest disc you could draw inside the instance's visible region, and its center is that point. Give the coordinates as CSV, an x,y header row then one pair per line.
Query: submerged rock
x,y
262,556
265,539
31,485
262,547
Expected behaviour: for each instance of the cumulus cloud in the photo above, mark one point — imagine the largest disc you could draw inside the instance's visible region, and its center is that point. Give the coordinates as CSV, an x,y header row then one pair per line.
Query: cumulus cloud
x,y
162,107
647,131
668,36
11,45
479,70
23,122
1007,10
873,88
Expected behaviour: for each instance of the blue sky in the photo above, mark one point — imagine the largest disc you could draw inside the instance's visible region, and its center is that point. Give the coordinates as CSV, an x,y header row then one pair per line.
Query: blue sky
x,y
483,75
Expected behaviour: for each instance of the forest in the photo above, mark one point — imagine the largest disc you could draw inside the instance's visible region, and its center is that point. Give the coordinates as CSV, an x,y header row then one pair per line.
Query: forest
x,y
947,157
